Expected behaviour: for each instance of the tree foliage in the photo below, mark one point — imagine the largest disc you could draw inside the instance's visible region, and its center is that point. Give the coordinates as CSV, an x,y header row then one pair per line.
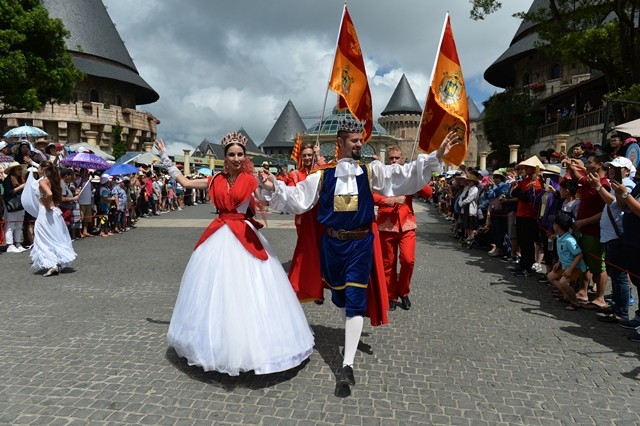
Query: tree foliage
x,y
118,146
511,118
35,66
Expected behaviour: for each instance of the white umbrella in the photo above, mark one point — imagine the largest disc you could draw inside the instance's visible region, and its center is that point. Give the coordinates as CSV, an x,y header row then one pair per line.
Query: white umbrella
x,y
26,132
94,149
631,127
148,158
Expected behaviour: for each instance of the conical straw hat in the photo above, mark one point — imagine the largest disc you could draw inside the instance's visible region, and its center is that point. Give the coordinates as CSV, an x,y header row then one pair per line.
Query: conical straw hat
x,y
532,162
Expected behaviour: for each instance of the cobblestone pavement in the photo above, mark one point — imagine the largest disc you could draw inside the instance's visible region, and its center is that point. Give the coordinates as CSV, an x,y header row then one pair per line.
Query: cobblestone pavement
x,y
477,347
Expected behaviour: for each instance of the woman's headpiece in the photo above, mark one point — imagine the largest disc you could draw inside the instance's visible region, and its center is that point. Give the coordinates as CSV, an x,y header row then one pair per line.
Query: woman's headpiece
x,y
234,137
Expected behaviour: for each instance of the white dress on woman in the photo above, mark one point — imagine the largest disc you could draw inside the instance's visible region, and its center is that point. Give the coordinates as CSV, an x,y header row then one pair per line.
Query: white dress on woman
x,y
235,312
51,241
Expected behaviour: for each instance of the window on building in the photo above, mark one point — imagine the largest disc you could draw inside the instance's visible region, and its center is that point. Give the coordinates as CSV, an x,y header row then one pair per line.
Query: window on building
x,y
94,96
526,79
118,100
554,71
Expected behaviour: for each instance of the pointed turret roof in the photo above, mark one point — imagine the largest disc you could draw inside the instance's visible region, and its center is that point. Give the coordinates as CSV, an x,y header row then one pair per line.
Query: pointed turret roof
x,y
502,73
251,145
96,46
286,129
474,112
403,101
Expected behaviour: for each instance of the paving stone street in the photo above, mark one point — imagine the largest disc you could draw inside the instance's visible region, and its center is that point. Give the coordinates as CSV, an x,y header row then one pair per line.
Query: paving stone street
x,y
478,347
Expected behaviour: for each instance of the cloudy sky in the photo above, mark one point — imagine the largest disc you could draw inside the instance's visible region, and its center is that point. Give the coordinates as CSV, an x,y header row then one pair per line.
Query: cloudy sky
x,y
222,65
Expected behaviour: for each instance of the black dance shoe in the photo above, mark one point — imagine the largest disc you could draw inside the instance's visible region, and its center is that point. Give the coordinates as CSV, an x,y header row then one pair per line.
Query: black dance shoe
x,y
405,303
392,305
346,376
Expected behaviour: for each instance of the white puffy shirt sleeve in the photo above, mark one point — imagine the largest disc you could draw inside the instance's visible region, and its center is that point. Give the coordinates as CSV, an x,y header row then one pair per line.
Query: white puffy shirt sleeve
x,y
406,179
296,199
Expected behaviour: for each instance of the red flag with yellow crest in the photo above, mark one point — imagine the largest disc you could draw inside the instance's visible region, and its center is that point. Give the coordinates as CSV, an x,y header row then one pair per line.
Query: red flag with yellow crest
x,y
297,147
349,77
446,109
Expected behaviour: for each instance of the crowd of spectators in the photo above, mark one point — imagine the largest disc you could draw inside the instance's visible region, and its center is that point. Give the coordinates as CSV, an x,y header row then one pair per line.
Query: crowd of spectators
x,y
571,221
93,203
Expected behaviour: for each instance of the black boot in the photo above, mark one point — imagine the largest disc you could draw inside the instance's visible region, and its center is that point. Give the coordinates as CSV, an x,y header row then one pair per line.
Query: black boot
x,y
392,305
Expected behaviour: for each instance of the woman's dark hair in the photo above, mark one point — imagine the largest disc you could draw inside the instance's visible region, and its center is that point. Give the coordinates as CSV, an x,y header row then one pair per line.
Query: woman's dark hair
x,y
227,146
51,172
570,185
564,221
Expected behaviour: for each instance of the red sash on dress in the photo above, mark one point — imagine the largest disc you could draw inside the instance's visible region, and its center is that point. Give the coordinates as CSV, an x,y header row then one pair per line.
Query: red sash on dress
x,y
226,201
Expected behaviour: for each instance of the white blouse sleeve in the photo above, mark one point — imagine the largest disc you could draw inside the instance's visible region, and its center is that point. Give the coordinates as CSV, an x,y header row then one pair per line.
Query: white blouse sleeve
x,y
296,199
406,179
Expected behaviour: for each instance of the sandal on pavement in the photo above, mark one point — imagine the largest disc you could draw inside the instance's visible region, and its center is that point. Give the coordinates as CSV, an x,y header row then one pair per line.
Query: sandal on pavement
x,y
596,307
610,318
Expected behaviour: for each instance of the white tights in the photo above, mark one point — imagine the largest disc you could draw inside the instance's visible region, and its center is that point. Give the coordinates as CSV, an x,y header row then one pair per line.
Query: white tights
x,y
352,331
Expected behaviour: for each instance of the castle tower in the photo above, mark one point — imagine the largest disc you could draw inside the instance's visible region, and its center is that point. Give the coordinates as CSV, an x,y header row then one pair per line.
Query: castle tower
x,y
110,91
401,117
284,132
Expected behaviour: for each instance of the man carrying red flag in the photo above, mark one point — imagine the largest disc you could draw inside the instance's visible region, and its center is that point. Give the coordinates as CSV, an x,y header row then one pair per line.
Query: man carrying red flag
x,y
446,109
349,77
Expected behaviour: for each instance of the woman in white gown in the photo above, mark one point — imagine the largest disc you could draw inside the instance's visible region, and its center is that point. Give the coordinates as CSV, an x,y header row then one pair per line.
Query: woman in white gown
x,y
52,249
236,310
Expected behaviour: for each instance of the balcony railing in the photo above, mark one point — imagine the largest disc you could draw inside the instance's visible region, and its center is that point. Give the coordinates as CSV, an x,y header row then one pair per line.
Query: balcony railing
x,y
564,125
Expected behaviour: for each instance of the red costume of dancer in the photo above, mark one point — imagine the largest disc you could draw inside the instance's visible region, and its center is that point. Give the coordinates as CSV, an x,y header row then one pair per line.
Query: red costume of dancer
x,y
226,200
308,241
397,224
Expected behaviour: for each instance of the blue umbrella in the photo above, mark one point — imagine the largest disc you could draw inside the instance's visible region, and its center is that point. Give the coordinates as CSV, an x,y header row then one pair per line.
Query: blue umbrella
x,y
26,132
205,171
121,169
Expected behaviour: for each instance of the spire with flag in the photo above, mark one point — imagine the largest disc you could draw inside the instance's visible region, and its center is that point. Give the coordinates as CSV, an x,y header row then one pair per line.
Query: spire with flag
x,y
349,77
446,109
297,148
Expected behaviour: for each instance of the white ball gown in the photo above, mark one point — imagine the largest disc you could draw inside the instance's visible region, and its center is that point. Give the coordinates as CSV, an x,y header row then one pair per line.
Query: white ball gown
x,y
52,245
235,312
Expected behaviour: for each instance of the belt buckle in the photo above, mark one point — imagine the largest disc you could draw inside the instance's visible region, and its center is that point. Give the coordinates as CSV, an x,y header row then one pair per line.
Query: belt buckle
x,y
340,234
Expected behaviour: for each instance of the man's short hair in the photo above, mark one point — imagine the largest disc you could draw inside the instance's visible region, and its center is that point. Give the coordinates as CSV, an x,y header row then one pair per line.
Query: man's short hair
x,y
600,156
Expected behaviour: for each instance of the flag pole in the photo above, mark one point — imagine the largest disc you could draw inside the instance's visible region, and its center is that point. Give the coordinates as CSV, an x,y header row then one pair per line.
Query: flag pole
x,y
326,94
433,71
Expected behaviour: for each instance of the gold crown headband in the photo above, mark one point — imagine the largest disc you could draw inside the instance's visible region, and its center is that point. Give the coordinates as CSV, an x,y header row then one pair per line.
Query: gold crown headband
x,y
234,137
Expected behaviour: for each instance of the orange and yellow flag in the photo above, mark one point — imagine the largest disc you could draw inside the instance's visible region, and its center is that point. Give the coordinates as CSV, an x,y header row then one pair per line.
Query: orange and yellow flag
x,y
297,147
446,109
349,78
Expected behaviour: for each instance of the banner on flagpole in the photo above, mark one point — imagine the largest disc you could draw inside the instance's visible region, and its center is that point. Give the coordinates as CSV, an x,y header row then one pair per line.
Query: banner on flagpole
x,y
446,109
297,147
349,77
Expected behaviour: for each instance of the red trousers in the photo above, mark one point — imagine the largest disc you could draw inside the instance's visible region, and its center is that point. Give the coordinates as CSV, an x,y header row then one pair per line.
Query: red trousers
x,y
405,244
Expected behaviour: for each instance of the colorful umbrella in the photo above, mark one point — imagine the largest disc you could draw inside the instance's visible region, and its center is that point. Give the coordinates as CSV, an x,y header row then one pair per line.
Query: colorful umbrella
x,y
85,160
121,169
26,132
205,171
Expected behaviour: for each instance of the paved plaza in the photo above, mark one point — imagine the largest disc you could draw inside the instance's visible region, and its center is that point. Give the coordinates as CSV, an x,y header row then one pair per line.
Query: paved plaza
x,y
478,347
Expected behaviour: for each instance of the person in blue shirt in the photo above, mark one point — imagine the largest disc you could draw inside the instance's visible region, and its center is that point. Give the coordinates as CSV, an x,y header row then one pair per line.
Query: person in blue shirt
x,y
570,267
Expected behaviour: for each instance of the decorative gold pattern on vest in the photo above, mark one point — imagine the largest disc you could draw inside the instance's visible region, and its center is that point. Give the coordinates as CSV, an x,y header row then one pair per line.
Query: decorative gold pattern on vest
x,y
345,203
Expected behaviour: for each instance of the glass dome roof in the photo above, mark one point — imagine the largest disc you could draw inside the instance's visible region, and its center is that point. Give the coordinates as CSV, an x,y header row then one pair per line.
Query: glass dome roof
x,y
330,124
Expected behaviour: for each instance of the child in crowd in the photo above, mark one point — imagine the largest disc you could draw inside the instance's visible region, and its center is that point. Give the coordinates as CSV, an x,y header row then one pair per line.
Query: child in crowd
x,y
570,267
568,191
